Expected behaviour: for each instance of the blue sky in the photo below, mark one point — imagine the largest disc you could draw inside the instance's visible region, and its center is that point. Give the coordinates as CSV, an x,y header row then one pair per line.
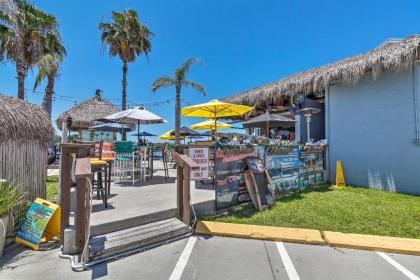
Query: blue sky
x,y
243,44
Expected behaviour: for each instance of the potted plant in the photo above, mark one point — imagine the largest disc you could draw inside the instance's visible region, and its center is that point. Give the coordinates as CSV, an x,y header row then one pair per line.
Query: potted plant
x,y
9,198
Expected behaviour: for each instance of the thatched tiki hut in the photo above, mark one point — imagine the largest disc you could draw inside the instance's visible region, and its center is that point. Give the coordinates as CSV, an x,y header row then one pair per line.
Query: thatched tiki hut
x,y
25,132
370,113
85,113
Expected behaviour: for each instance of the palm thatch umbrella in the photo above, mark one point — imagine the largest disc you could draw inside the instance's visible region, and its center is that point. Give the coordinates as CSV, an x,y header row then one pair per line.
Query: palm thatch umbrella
x,y
86,113
390,56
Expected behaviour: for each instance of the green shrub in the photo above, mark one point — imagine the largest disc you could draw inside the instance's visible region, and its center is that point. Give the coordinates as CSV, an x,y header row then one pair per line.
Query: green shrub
x,y
10,197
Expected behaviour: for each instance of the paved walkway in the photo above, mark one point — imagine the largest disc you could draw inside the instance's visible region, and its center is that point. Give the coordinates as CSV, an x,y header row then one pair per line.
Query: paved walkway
x,y
153,196
206,257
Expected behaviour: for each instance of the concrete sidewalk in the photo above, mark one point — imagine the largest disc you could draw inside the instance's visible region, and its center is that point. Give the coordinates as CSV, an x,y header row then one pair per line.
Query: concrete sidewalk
x,y
146,199
220,258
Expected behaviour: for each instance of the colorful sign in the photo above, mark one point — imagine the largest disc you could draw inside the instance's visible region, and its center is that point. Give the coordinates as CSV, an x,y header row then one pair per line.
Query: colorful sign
x,y
229,176
283,167
201,157
311,168
42,220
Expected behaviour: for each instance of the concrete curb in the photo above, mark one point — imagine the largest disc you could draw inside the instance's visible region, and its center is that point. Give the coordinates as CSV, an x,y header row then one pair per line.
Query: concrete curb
x,y
373,242
296,235
310,236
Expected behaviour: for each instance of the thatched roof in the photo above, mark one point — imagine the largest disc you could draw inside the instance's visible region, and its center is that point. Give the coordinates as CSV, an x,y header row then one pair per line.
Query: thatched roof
x,y
84,113
391,56
20,120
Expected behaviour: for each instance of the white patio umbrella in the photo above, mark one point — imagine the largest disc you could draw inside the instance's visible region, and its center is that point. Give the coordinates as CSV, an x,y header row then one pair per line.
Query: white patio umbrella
x,y
136,115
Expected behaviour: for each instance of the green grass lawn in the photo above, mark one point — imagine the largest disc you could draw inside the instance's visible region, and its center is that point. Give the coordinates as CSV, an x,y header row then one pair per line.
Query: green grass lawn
x,y
52,188
350,210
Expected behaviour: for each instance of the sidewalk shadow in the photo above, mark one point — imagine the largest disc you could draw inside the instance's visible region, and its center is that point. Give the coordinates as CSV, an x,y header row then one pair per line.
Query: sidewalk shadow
x,y
157,180
12,254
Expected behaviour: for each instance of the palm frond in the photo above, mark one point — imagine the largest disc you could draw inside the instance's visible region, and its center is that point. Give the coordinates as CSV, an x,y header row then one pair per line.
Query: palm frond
x,y
194,85
182,71
126,36
162,82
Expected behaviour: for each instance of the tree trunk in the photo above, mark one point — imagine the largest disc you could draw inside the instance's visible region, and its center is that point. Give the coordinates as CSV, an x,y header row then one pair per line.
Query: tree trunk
x,y
177,116
47,99
124,95
21,74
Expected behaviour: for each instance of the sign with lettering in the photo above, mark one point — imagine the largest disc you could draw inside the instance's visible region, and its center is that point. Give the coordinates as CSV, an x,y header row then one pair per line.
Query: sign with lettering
x,y
229,176
201,157
41,220
283,166
311,168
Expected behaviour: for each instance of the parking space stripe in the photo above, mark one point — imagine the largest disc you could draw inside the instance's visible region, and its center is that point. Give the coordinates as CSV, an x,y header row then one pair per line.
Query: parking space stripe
x,y
288,265
405,271
183,259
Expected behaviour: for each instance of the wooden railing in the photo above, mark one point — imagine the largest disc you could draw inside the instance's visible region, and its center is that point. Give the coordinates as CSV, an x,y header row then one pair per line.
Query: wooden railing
x,y
82,173
184,165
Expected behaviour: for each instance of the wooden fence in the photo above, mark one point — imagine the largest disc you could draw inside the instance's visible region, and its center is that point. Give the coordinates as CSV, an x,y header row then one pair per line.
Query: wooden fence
x,y
24,163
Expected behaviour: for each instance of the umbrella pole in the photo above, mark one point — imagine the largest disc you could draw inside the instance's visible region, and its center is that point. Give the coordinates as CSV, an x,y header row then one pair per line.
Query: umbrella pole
x,y
215,129
138,131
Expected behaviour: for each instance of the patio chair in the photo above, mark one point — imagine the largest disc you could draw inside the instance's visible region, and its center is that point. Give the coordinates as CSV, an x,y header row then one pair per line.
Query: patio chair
x,y
125,161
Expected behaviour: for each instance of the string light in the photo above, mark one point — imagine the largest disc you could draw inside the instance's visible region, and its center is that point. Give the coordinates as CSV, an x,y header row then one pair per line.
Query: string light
x,y
130,103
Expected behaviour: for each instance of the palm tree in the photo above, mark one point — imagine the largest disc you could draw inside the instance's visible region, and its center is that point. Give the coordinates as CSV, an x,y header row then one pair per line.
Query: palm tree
x,y
22,28
178,81
48,67
127,37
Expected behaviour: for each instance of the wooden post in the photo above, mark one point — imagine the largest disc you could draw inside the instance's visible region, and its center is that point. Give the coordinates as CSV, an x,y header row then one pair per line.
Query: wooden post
x,y
65,187
82,174
179,191
184,165
65,181
64,132
186,196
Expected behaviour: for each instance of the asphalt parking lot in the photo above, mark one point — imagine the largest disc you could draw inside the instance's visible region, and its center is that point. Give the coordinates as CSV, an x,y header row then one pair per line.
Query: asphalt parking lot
x,y
206,257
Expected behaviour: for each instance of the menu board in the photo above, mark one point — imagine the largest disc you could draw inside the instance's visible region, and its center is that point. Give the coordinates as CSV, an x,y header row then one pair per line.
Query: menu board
x,y
283,166
34,224
201,157
311,168
229,178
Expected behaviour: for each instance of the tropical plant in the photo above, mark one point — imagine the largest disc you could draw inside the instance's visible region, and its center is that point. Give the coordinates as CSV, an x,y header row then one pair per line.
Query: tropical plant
x,y
9,198
179,80
22,29
126,37
48,67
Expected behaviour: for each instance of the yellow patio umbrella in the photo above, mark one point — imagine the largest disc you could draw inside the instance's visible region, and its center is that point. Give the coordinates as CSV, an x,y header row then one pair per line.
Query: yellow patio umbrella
x,y
211,125
215,109
167,136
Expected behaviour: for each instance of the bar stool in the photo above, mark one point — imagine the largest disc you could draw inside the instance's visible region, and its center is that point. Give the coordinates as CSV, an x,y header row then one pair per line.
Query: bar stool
x,y
109,161
100,167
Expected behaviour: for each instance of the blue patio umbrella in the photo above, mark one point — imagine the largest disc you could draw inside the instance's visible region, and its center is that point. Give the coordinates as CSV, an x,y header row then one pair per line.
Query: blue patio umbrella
x,y
110,127
144,134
